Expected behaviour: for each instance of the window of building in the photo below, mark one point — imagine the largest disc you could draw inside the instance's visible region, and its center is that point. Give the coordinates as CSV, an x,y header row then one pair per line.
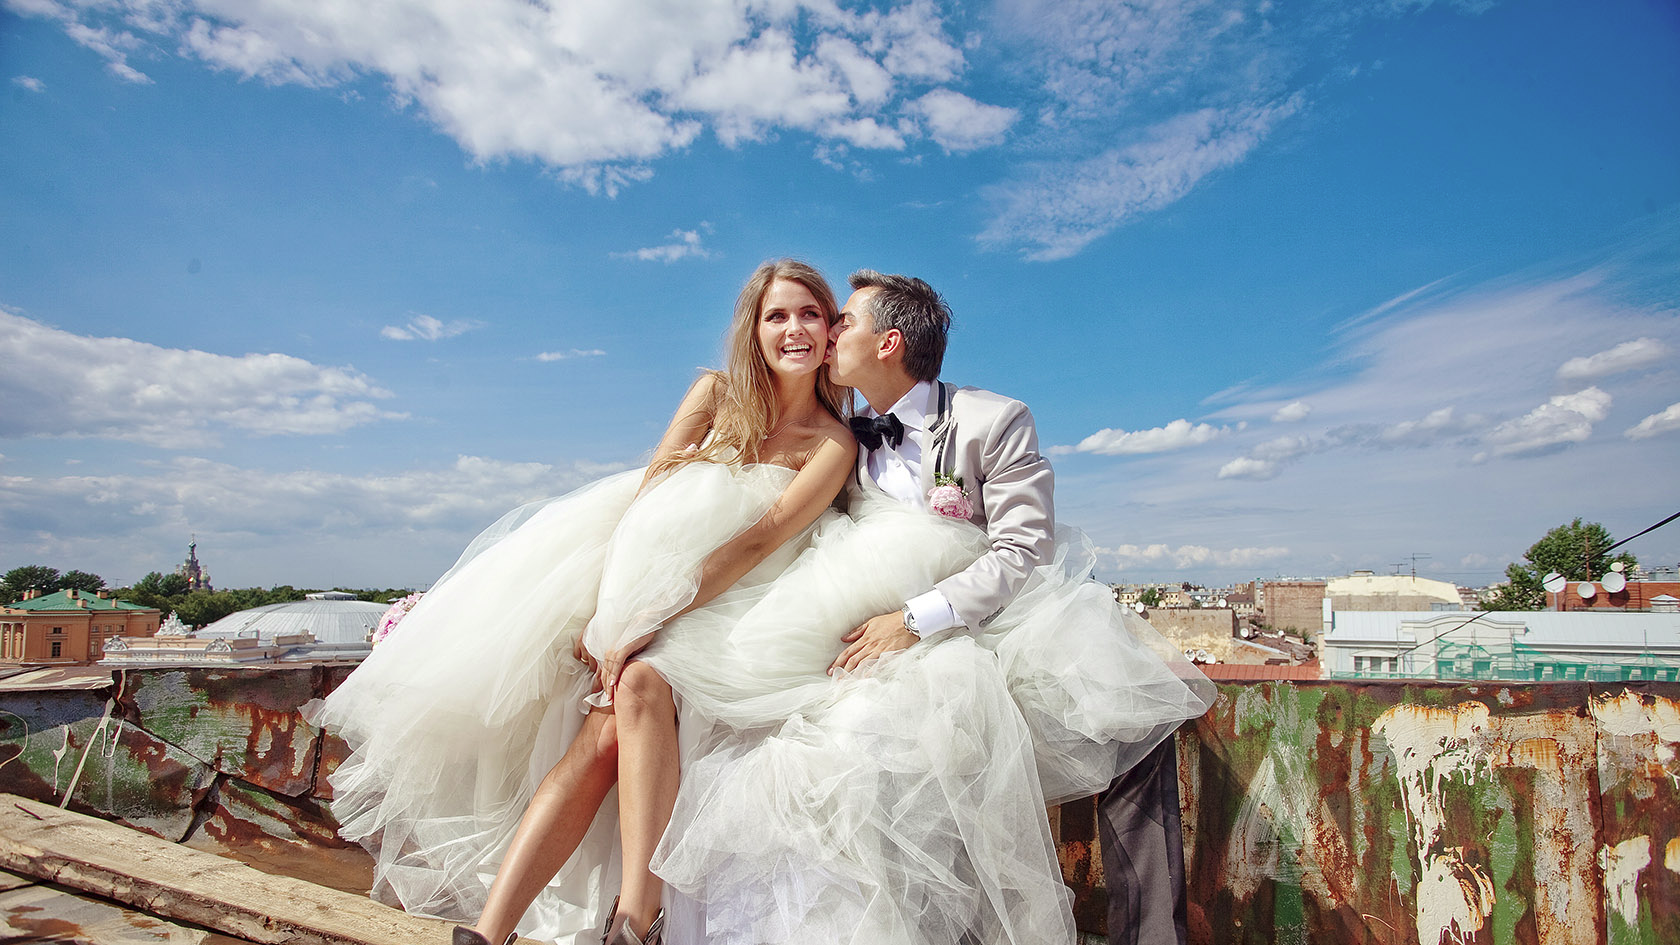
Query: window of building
x,y
57,649
1394,664
58,629
1359,664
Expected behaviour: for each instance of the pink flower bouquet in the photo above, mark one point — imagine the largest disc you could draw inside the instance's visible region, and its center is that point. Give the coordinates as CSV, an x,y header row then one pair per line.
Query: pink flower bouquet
x,y
398,610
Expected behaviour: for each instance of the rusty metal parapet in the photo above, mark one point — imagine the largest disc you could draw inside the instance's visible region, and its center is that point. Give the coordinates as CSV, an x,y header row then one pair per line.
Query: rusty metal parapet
x,y
1381,812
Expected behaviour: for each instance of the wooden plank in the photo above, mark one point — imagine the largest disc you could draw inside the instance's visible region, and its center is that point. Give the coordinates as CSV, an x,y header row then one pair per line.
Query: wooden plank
x,y
175,882
42,913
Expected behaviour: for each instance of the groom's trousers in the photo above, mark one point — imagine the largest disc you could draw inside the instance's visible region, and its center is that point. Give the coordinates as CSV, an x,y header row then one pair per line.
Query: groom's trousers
x,y
1142,837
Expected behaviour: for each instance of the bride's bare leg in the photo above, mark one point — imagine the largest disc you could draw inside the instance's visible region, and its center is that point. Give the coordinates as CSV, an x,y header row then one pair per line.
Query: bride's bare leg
x,y
560,813
647,784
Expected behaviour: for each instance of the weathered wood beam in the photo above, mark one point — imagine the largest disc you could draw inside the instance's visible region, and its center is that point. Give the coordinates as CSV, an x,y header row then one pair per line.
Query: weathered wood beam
x,y
176,882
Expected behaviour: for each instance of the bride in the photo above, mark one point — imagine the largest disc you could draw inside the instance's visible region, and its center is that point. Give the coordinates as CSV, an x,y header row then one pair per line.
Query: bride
x,y
903,802
470,714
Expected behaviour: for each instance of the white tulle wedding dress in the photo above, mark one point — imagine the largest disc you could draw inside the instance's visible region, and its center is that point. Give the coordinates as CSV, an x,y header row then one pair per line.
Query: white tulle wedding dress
x,y
901,804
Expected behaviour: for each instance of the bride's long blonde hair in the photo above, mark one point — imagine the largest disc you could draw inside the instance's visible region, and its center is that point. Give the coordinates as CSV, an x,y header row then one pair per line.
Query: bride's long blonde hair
x,y
746,410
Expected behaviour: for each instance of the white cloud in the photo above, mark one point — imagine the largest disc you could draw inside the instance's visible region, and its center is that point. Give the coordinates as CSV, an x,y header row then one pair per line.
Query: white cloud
x,y
1627,356
1292,412
594,89
1190,556
29,82
570,354
57,383
1564,419
1056,210
1177,435
427,328
1666,420
959,123
1263,461
684,244
396,527
1426,430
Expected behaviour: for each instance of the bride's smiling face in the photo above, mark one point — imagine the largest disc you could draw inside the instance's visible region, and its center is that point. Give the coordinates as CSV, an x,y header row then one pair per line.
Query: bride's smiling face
x,y
792,329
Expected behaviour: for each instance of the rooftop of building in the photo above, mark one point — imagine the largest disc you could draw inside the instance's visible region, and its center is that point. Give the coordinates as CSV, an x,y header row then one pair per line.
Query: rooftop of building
x,y
330,621
1540,627
70,599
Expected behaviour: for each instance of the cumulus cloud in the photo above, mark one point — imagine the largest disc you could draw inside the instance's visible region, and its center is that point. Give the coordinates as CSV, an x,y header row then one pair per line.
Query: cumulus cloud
x,y
1177,435
1264,460
58,383
29,82
1429,429
570,354
1190,556
1627,356
683,244
959,123
427,328
406,524
594,89
1292,412
1056,209
1564,419
1666,420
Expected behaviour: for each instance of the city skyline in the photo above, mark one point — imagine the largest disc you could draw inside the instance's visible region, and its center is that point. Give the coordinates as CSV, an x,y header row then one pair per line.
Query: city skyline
x,y
1290,290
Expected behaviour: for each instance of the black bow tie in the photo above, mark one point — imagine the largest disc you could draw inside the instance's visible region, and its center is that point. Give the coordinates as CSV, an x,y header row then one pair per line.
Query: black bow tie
x,y
870,431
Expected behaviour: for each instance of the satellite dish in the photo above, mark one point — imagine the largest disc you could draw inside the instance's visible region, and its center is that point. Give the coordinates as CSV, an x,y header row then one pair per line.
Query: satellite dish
x,y
1586,590
1618,565
1614,582
1554,582
1138,606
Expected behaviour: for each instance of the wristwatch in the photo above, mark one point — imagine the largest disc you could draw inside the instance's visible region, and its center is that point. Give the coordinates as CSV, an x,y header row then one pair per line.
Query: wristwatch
x,y
910,621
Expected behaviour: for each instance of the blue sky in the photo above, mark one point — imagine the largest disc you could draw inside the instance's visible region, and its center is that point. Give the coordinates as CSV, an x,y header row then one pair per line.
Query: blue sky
x,y
1292,288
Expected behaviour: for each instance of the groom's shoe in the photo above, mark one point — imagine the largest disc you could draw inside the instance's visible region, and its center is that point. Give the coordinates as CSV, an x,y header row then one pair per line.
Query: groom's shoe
x,y
466,936
618,931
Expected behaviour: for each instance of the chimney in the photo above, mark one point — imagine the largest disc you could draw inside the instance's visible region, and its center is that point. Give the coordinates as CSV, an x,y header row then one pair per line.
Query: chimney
x,y
70,593
104,595
82,603
31,594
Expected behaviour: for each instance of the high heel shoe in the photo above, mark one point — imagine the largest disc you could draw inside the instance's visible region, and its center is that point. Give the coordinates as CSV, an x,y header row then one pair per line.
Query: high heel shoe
x,y
618,931
466,936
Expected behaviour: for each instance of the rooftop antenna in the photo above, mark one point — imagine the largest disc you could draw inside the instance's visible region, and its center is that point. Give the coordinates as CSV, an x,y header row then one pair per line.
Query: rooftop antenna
x,y
1415,556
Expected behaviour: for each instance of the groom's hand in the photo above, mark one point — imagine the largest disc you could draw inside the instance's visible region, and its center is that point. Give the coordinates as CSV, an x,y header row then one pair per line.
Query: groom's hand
x,y
877,637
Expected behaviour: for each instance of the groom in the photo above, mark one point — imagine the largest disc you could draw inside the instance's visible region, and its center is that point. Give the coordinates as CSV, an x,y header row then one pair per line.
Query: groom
x,y
917,432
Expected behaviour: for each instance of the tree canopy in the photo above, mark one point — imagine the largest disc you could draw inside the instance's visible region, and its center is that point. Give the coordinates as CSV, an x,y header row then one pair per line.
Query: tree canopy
x,y
39,577
1579,552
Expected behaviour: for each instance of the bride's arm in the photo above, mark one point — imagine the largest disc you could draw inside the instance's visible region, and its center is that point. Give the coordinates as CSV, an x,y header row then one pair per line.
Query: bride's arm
x,y
693,420
812,490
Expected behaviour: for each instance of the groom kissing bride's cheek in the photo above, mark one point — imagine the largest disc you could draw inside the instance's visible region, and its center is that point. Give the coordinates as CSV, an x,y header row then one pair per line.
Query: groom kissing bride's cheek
x,y
835,674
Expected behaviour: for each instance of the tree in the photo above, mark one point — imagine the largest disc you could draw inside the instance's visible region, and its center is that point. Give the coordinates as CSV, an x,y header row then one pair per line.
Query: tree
x,y
82,581
155,590
30,577
1576,551
1151,597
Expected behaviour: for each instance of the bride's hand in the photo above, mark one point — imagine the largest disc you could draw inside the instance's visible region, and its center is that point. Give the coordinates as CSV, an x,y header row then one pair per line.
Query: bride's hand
x,y
612,665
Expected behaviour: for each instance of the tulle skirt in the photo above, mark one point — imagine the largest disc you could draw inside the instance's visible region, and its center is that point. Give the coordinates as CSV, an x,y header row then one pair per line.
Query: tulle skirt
x,y
902,803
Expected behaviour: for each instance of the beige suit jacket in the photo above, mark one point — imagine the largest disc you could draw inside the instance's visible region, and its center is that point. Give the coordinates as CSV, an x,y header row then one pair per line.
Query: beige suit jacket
x,y
991,443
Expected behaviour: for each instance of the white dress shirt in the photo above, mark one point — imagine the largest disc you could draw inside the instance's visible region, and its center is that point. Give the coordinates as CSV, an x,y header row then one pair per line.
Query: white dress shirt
x,y
898,471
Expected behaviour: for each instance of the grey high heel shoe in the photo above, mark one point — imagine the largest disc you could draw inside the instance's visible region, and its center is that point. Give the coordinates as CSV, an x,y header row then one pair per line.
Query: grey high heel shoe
x,y
466,936
618,931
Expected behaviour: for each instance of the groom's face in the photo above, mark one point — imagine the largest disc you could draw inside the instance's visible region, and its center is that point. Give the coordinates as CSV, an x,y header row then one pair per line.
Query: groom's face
x,y
855,346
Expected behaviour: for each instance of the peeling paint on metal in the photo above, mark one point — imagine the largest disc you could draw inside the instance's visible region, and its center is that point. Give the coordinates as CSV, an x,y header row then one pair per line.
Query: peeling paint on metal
x,y
1622,865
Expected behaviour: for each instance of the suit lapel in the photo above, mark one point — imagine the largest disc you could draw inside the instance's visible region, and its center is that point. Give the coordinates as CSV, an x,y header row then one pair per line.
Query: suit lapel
x,y
936,450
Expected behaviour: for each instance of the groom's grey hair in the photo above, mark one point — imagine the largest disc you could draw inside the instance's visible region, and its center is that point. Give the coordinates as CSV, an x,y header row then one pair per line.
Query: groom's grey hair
x,y
916,310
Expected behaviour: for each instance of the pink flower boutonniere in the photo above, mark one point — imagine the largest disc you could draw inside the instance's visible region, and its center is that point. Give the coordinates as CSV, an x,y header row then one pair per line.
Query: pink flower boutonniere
x,y
949,498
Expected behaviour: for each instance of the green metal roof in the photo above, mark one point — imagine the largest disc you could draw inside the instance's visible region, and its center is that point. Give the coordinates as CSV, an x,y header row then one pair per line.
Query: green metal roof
x,y
61,600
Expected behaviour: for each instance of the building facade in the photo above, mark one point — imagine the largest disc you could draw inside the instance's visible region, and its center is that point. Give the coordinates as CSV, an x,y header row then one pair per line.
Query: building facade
x,y
1503,645
68,626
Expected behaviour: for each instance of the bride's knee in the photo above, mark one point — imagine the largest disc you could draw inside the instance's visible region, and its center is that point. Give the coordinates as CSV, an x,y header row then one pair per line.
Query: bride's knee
x,y
642,693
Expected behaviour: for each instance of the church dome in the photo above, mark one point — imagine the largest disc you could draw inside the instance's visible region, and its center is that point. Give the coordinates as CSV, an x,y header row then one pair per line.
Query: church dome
x,y
331,621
